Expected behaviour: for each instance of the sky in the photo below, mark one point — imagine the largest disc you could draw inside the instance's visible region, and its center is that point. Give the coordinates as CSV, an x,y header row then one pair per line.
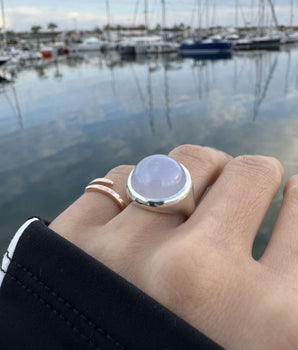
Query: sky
x,y
88,14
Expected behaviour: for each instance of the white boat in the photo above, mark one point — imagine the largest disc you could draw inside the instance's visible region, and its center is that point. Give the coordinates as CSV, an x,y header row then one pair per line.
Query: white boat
x,y
292,38
242,44
145,43
89,44
163,48
4,59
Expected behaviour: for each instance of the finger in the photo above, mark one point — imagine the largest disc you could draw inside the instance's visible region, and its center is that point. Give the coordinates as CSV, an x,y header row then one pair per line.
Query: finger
x,y
93,208
204,165
282,250
233,210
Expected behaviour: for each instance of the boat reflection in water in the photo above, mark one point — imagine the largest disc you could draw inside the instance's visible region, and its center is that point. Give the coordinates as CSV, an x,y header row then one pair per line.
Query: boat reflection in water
x,y
208,56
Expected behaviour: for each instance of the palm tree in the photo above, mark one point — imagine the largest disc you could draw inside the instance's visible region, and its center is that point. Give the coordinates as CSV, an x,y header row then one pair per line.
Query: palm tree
x,y
52,26
35,30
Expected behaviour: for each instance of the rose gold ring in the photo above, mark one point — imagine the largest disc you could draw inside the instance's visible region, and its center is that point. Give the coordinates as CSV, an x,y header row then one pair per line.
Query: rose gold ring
x,y
102,185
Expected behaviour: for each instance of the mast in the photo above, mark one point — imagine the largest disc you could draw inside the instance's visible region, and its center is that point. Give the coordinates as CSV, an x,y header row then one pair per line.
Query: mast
x,y
199,15
3,24
146,14
292,15
207,14
214,16
236,13
273,13
163,15
108,19
261,17
252,13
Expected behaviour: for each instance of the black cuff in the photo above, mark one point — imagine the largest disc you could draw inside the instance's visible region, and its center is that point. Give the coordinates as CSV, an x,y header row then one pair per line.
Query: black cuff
x,y
55,296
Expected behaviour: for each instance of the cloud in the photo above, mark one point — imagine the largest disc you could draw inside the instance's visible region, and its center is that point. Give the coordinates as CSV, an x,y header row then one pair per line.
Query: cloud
x,y
91,14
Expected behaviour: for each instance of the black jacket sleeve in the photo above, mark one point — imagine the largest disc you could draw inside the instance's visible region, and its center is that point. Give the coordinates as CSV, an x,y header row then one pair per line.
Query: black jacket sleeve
x,y
55,296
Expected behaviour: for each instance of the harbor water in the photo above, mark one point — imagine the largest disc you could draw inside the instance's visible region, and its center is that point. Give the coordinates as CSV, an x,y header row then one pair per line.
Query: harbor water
x,y
67,123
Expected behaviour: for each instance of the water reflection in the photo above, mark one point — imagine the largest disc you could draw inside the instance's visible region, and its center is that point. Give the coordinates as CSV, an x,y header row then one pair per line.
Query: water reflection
x,y
64,124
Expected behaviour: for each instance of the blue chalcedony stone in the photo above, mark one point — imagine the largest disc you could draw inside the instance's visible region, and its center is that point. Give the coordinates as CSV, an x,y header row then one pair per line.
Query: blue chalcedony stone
x,y
158,177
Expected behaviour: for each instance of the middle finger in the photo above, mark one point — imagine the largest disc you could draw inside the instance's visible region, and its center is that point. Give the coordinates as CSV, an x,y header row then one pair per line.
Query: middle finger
x,y
204,164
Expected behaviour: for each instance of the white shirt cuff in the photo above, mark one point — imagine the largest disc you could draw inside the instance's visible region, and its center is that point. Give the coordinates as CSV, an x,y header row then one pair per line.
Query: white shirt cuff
x,y
11,249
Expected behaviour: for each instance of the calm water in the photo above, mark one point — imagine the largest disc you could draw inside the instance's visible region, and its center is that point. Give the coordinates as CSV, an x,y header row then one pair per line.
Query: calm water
x,y
78,119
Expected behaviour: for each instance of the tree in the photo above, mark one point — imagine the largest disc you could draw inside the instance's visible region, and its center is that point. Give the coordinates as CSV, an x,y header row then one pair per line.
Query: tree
x,y
182,26
52,26
35,29
158,28
97,31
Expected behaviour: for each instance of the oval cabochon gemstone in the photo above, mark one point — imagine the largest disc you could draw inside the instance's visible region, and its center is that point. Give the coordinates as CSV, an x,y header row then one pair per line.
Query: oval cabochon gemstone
x,y
158,177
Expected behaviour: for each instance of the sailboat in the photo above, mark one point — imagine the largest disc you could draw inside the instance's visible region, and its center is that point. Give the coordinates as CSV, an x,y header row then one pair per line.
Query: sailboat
x,y
291,36
262,41
3,56
3,59
207,47
267,42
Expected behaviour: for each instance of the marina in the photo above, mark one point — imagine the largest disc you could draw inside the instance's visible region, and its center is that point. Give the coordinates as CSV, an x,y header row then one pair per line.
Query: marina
x,y
262,33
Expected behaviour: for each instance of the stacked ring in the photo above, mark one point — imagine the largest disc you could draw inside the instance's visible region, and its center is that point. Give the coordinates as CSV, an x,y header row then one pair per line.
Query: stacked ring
x,y
103,186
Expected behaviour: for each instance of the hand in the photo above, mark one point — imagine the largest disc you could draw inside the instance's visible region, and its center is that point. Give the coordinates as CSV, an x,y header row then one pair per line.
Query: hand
x,y
202,269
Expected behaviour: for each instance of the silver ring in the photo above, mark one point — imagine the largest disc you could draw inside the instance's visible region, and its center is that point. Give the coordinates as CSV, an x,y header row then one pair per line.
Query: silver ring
x,y
160,183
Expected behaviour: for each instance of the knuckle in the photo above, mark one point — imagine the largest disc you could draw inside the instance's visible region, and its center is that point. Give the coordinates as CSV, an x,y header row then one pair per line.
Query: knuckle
x,y
120,171
185,150
268,168
190,154
291,187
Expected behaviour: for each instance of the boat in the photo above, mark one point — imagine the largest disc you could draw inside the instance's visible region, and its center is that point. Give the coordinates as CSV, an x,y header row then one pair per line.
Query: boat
x,y
163,47
89,44
258,43
127,48
145,43
204,47
47,52
291,38
243,44
4,59
266,43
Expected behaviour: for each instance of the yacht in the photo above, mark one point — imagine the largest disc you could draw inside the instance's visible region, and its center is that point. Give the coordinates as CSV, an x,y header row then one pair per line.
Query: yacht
x,y
204,47
3,59
266,43
163,47
145,43
291,38
127,47
89,44
243,44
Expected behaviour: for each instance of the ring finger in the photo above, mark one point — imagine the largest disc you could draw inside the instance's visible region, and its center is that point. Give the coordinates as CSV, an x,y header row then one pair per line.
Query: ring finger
x,y
92,209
